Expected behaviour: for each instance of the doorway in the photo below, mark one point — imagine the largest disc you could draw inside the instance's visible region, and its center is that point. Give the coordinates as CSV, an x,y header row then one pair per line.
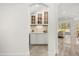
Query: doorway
x,y
68,36
38,41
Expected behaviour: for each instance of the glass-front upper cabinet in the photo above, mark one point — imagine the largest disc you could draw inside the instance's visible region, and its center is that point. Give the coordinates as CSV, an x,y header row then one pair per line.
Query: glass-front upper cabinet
x,y
33,19
39,18
45,17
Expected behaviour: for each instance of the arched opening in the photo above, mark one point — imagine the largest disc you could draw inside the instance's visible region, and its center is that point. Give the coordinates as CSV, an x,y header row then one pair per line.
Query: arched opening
x,y
68,30
38,29
64,36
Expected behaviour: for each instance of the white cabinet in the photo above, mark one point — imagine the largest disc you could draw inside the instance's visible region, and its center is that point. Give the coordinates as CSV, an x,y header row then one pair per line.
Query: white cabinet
x,y
38,38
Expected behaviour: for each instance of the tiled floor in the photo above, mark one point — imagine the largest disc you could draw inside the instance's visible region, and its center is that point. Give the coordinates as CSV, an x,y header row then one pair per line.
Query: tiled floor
x,y
39,50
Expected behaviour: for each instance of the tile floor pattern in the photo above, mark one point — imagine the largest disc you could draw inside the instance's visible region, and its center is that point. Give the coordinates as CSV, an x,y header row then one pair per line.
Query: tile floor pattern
x,y
39,50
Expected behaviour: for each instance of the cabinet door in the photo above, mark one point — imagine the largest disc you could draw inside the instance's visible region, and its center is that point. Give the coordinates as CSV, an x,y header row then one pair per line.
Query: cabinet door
x,y
39,38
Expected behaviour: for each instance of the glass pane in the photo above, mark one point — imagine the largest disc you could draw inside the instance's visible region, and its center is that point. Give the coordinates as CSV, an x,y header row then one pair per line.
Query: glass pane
x,y
33,19
45,17
39,18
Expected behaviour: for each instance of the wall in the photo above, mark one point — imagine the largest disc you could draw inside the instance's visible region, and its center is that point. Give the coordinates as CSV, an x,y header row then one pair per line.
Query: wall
x,y
68,9
52,29
14,29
